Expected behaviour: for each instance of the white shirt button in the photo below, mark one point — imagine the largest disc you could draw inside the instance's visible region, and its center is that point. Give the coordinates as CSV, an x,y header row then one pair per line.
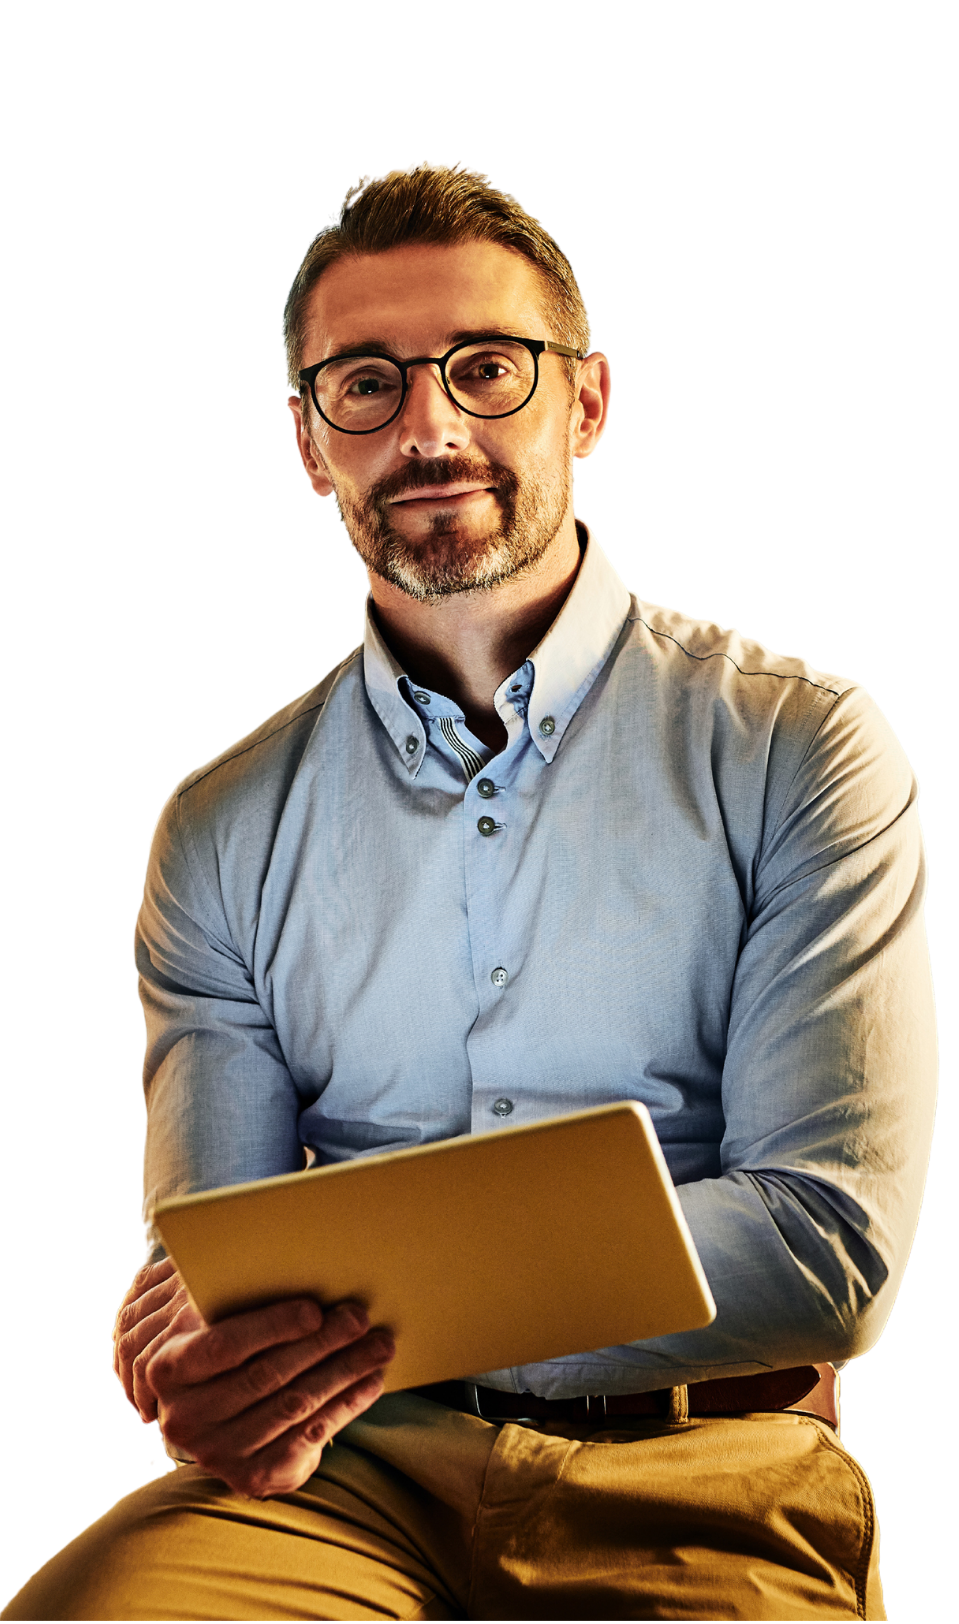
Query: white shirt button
x,y
412,745
499,976
547,726
502,1107
422,697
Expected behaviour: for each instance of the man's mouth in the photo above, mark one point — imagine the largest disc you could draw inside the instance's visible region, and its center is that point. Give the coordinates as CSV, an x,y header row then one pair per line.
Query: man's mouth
x,y
442,493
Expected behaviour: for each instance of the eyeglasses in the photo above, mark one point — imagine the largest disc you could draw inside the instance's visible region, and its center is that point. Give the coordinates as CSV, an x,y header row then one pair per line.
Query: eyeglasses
x,y
488,377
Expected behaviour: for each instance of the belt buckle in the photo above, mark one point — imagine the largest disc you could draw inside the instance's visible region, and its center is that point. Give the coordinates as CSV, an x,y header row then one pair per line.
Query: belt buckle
x,y
474,1406
591,1407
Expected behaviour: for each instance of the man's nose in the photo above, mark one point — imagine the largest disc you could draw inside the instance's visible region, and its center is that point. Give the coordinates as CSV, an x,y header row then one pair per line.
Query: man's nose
x,y
430,423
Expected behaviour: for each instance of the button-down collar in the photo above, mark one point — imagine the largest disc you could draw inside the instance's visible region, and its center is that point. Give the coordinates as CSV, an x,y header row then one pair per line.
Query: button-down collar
x,y
544,692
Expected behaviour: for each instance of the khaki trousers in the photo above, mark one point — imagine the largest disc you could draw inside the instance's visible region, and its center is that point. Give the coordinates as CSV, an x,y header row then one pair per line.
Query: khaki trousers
x,y
422,1512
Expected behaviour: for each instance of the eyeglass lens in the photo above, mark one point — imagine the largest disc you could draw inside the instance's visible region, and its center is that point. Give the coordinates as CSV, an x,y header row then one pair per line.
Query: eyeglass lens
x,y
488,380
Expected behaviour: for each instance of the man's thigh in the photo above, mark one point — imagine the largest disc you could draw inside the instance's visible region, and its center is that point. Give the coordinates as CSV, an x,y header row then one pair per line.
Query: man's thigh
x,y
763,1517
420,1512
353,1543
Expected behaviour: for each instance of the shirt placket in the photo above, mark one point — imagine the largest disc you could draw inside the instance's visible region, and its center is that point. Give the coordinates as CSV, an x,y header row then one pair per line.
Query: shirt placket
x,y
493,836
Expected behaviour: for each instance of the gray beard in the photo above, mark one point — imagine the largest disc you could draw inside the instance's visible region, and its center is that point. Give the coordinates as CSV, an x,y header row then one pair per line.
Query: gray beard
x,y
443,562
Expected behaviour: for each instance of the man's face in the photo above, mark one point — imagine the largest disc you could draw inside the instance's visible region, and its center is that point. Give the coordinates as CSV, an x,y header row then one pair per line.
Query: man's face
x,y
438,502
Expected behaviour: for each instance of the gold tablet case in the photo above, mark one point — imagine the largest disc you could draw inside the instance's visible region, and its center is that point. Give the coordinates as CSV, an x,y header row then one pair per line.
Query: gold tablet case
x,y
481,1252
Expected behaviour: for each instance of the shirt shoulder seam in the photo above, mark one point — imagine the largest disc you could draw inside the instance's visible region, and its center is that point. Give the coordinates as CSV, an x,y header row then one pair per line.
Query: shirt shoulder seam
x,y
720,654
245,746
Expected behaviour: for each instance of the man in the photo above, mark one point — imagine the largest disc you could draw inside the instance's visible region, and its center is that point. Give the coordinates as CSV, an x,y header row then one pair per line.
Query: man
x,y
535,847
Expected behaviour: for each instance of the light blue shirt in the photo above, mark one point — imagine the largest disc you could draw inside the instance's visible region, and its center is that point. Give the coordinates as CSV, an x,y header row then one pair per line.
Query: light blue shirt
x,y
701,889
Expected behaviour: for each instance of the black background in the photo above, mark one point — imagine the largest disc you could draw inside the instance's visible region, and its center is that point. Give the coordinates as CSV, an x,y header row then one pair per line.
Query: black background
x,y
765,466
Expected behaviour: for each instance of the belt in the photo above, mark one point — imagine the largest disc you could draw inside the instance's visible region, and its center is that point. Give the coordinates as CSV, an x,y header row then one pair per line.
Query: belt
x,y
807,1389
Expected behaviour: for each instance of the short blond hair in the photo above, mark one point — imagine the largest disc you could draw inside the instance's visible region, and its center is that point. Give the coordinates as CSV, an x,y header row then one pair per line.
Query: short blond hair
x,y
442,206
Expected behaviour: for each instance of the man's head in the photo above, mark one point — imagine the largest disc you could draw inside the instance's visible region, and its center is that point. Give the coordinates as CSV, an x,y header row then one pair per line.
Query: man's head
x,y
440,500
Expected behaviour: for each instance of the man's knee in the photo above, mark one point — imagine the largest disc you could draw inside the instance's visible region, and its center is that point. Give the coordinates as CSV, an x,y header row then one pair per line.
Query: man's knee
x,y
185,1546
108,1571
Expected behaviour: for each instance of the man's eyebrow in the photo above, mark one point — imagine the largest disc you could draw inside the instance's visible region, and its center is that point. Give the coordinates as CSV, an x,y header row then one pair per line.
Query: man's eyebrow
x,y
383,346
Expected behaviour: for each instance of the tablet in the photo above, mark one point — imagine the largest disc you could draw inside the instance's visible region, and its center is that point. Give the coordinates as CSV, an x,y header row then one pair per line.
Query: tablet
x,y
489,1250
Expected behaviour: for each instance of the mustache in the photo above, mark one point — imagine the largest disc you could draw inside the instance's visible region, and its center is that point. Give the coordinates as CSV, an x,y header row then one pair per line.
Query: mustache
x,y
442,471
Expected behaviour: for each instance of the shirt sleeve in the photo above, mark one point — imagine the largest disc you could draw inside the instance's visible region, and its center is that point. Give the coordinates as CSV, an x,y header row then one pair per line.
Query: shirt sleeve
x,y
828,1086
221,1104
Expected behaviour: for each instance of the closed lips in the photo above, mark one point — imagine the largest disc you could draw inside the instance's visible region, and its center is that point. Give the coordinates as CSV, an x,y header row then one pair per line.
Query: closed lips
x,y
433,492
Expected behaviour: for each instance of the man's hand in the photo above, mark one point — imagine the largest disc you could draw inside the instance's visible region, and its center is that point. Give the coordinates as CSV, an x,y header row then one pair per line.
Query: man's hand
x,y
254,1398
155,1308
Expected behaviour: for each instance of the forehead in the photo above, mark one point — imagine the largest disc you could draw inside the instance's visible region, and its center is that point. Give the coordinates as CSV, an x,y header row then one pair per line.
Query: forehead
x,y
418,296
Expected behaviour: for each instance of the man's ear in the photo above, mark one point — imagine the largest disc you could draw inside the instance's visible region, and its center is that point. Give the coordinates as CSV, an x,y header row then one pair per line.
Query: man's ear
x,y
591,406
316,472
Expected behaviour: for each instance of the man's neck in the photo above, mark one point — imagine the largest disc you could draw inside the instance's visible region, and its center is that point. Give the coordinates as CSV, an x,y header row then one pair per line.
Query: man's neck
x,y
467,644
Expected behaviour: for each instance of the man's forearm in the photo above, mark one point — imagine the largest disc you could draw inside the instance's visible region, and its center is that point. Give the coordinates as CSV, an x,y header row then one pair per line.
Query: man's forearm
x,y
794,1278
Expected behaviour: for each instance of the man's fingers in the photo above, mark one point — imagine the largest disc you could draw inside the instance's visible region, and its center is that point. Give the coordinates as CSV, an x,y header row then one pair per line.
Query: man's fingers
x,y
154,1285
134,1309
131,1342
286,1463
148,1275
341,1410
195,1373
294,1403
154,1301
151,1274
177,1319
225,1346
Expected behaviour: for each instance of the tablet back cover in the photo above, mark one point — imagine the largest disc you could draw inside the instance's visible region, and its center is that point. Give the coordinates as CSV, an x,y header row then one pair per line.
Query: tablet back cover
x,y
479,1252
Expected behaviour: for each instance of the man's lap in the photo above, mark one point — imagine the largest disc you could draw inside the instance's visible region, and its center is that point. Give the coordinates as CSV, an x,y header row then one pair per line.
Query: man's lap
x,y
419,1512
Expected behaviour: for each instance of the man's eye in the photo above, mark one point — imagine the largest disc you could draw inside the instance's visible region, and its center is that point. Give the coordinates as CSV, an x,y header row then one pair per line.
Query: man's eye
x,y
359,380
489,369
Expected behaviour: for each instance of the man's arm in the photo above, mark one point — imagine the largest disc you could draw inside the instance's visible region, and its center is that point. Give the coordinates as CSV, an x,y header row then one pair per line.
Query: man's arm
x,y
254,1398
828,1085
222,1106
829,1081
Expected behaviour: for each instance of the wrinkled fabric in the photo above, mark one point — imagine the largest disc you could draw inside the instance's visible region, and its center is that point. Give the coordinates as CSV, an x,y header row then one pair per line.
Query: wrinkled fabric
x,y
704,885
420,1512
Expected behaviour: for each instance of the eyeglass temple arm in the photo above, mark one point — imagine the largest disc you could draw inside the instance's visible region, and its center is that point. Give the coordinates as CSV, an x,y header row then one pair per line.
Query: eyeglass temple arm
x,y
563,349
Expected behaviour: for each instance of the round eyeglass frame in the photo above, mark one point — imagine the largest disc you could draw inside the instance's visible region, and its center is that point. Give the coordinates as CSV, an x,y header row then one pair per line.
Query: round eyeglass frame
x,y
536,347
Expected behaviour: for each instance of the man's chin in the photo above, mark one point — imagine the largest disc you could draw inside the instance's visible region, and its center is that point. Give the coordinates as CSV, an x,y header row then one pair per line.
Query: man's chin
x,y
446,561
436,577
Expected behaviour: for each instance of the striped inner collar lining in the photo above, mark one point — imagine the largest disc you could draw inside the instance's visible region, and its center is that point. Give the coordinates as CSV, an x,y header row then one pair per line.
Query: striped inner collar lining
x,y
472,763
